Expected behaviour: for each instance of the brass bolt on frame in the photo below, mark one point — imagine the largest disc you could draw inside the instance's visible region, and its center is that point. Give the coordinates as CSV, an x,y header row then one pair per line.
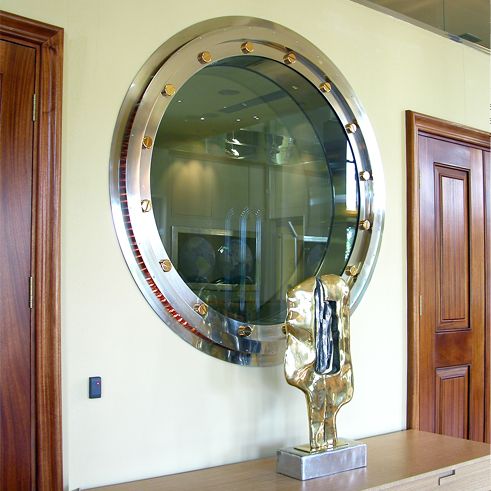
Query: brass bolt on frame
x,y
201,309
147,142
325,87
351,128
352,270
290,58
244,331
166,265
146,205
204,57
365,175
247,47
169,90
365,225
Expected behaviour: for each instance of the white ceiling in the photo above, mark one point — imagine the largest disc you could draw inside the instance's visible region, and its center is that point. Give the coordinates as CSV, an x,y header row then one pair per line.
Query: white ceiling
x,y
454,16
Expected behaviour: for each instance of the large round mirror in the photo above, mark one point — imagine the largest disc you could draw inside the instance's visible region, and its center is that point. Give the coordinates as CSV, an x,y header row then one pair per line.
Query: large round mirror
x,y
240,168
254,186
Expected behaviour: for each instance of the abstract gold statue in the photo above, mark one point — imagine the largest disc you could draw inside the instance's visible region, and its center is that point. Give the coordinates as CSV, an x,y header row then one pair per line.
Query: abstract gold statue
x,y
318,359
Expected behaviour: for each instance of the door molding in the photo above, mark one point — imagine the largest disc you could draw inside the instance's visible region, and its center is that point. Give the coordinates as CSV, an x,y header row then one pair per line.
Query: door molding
x,y
47,40
487,242
417,124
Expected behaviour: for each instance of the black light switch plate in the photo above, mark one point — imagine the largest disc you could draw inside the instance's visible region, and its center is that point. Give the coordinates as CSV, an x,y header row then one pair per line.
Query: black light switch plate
x,y
95,387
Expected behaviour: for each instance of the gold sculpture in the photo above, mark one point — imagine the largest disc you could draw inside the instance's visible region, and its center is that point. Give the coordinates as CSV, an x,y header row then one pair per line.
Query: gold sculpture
x,y
317,358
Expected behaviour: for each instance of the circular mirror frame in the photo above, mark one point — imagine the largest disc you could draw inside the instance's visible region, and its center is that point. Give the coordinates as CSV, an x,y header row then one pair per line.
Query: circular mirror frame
x,y
144,105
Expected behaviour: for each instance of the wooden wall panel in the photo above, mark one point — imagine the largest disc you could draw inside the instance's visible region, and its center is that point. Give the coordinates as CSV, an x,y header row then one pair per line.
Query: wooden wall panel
x,y
452,401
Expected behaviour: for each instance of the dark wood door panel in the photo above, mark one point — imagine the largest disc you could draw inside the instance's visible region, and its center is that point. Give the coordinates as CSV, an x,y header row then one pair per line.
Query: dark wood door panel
x,y
452,255
18,71
450,154
453,348
452,401
427,312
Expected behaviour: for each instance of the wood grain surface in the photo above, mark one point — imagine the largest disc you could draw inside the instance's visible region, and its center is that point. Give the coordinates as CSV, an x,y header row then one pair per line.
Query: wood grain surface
x,y
452,285
452,227
487,193
405,456
17,449
452,388
47,43
447,289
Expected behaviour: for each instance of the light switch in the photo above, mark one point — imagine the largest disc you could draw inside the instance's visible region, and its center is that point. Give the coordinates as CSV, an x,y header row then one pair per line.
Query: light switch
x,y
95,387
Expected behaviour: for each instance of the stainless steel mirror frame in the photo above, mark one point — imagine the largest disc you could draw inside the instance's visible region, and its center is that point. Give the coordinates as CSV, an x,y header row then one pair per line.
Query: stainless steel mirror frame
x,y
140,115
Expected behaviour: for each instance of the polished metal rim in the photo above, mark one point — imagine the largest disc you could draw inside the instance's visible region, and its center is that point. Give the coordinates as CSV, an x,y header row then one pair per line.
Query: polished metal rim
x,y
143,108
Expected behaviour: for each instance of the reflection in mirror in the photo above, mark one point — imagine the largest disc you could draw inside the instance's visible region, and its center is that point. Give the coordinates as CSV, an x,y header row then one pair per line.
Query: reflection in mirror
x,y
254,186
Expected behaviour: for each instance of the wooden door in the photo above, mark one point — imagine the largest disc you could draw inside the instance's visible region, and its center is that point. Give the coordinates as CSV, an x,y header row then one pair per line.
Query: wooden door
x,y
452,288
30,395
447,282
17,81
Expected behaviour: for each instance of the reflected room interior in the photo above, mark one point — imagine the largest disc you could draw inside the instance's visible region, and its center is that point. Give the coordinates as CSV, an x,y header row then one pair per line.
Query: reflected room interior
x,y
254,186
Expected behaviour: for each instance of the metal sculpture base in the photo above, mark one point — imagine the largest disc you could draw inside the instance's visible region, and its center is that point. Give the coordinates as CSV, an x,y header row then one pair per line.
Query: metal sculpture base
x,y
348,455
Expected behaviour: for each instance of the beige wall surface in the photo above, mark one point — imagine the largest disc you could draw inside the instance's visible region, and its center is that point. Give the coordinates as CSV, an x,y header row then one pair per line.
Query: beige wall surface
x,y
167,407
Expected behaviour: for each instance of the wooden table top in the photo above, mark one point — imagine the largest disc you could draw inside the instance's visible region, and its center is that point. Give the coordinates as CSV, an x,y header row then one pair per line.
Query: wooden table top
x,y
391,457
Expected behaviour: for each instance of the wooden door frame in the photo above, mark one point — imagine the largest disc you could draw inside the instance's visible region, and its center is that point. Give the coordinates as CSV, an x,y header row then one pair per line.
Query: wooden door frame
x,y
487,366
417,124
47,40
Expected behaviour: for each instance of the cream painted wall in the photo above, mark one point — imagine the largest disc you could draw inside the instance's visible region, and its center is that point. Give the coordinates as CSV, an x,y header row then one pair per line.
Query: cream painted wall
x,y
166,406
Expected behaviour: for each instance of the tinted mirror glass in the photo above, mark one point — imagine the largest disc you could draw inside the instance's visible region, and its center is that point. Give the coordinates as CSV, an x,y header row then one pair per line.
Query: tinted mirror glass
x,y
254,186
